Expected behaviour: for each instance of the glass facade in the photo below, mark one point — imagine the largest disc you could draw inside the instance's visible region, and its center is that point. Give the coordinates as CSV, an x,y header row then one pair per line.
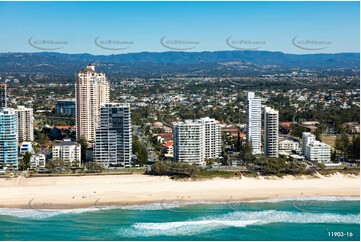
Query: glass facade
x,y
8,138
66,107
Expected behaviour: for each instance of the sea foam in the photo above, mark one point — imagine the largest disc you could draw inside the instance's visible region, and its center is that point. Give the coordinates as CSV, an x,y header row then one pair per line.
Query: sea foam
x,y
235,219
165,205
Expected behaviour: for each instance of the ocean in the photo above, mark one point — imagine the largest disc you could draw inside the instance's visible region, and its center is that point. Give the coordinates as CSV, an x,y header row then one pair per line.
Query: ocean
x,y
327,218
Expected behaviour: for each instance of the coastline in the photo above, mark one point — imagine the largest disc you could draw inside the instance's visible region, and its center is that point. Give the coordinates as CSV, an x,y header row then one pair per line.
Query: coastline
x,y
46,193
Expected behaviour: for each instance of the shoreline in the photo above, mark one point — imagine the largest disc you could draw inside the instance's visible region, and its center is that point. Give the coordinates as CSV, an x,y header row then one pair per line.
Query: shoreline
x,y
162,204
47,193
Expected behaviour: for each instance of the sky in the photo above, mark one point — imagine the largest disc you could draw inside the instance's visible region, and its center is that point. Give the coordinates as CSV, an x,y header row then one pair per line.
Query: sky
x,y
124,27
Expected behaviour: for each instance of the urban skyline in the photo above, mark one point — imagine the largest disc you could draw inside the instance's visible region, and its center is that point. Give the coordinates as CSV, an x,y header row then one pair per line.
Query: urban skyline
x,y
180,121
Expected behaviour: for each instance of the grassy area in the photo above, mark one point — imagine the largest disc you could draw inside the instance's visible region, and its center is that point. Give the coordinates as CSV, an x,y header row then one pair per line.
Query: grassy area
x,y
330,140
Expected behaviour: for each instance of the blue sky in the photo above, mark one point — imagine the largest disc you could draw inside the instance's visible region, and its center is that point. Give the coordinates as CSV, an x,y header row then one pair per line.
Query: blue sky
x,y
206,26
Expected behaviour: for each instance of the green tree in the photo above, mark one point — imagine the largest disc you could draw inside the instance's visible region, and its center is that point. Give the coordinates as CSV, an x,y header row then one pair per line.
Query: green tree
x,y
317,134
140,151
176,169
60,123
333,155
354,147
93,167
142,155
297,130
246,153
41,138
25,162
55,164
342,144
83,144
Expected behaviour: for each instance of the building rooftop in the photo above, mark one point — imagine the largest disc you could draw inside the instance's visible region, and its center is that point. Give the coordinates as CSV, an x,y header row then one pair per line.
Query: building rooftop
x,y
66,142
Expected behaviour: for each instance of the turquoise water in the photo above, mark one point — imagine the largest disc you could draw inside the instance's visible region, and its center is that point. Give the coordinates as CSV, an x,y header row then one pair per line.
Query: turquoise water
x,y
300,219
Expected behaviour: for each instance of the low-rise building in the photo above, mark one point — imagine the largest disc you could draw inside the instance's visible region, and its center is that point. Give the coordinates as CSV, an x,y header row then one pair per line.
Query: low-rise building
x,y
66,107
307,138
318,151
164,137
168,147
37,161
287,144
26,147
68,151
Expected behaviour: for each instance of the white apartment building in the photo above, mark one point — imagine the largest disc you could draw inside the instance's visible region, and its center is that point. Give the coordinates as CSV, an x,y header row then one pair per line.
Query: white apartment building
x,y
91,90
188,142
26,147
25,123
37,161
68,151
195,141
113,142
287,144
212,138
271,118
318,151
307,138
254,122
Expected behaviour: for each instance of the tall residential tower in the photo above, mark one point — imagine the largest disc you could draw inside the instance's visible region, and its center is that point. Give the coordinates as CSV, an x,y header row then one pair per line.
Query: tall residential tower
x,y
3,95
253,120
212,138
91,90
195,141
8,138
113,142
270,132
25,123
188,142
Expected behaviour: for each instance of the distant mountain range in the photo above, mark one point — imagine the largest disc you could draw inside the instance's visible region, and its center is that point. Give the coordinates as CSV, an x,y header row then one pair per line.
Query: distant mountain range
x,y
174,62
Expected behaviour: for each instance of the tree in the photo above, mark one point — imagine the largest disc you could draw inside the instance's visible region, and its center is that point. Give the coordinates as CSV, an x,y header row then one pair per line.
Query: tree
x,y
210,162
83,144
318,133
25,162
142,155
55,164
246,153
176,169
40,137
345,143
342,144
297,130
354,147
278,166
140,150
333,155
93,167
60,123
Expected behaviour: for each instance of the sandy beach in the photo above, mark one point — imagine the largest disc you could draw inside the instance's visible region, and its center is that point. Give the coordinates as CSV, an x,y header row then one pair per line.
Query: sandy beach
x,y
115,190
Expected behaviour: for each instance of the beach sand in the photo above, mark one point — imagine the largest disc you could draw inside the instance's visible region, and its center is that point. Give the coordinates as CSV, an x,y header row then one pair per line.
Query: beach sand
x,y
116,190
